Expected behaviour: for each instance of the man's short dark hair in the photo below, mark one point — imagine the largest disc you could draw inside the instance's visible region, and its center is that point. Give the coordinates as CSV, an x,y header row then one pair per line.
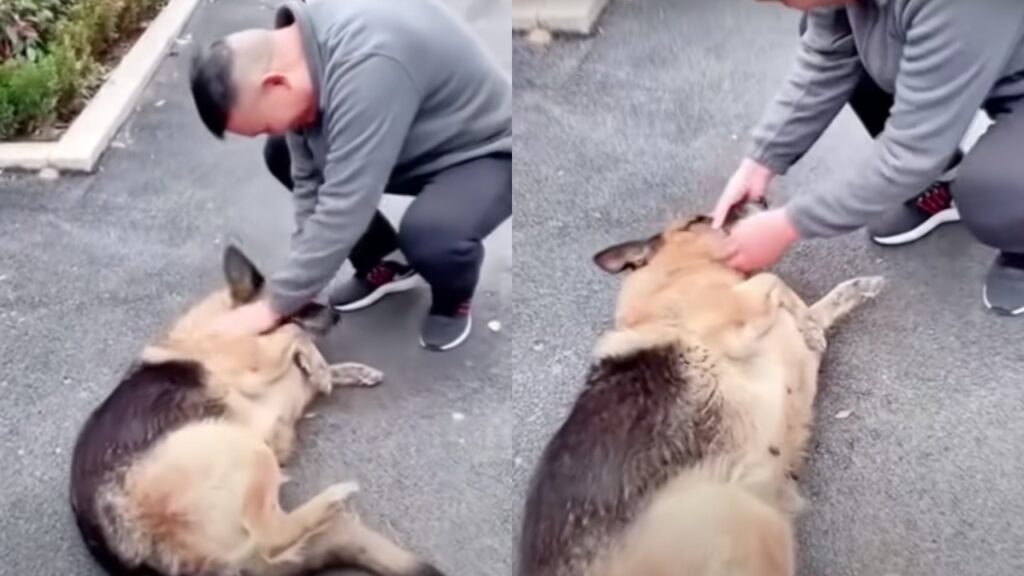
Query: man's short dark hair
x,y
212,87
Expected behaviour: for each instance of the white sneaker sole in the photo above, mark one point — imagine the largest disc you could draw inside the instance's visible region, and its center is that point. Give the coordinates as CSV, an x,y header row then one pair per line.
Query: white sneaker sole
x,y
403,285
1002,311
947,216
462,338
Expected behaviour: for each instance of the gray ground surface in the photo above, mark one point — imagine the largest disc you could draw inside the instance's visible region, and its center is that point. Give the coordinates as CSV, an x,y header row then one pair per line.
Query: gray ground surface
x,y
91,267
615,131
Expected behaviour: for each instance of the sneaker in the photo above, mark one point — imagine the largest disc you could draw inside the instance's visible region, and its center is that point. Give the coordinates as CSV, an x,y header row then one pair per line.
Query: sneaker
x,y
1004,286
361,291
443,331
917,217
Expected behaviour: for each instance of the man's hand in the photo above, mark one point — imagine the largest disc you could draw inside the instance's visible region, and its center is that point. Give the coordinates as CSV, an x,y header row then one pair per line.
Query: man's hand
x,y
750,182
759,241
249,320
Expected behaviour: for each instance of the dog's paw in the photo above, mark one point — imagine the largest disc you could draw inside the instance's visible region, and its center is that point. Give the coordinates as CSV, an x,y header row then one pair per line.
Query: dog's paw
x,y
338,496
868,286
355,374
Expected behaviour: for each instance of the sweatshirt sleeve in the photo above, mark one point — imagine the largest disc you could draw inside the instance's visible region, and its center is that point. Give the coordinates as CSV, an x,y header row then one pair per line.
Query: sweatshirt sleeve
x,y
306,179
954,54
373,104
825,74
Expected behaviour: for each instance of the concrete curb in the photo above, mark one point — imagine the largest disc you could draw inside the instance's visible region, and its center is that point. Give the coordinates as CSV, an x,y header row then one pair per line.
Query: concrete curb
x,y
566,16
82,145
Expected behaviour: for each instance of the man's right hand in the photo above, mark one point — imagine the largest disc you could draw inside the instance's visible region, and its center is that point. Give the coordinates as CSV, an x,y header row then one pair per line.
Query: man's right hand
x,y
750,182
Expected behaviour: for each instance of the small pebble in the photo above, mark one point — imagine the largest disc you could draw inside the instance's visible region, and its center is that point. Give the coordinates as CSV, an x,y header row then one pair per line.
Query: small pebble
x,y
49,174
160,103
458,416
844,414
539,37
494,325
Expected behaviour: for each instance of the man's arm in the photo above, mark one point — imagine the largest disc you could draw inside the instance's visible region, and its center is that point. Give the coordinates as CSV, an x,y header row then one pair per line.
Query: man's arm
x,y
955,52
826,73
375,103
306,179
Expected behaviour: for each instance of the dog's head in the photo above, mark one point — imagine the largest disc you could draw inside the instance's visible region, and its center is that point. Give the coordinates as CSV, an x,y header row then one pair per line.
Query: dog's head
x,y
659,270
244,284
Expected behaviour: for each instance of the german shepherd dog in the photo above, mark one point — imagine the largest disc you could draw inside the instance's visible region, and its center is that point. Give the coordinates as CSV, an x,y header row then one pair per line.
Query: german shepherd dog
x,y
680,455
177,472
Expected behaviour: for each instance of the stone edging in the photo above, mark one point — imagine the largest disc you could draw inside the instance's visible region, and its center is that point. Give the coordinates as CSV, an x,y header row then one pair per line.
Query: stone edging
x,y
81,146
565,16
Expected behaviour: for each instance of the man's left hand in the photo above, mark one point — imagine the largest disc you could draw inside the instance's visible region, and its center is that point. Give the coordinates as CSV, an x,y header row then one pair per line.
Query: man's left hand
x,y
249,320
761,240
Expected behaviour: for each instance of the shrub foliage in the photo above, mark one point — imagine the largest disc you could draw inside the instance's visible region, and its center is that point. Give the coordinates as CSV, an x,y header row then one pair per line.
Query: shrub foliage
x,y
52,55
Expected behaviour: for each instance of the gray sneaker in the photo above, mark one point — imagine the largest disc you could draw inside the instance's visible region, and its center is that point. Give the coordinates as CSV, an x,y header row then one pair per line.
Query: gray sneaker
x,y
442,332
917,217
361,291
1004,286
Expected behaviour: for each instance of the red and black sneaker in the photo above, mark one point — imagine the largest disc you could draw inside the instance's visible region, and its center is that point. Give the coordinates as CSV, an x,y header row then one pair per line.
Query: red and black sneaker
x,y
917,217
362,290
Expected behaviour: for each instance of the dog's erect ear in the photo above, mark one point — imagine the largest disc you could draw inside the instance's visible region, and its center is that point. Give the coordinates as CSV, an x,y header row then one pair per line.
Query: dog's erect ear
x,y
628,255
244,280
316,319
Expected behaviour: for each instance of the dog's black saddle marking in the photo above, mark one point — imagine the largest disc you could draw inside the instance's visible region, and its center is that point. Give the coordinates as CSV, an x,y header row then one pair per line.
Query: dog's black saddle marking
x,y
635,424
151,401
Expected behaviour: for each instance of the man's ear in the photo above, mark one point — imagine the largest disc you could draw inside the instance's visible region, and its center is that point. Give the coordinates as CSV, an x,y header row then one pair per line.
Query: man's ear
x,y
628,255
275,80
243,279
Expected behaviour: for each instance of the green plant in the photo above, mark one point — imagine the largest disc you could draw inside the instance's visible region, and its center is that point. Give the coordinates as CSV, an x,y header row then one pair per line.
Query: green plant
x,y
28,98
26,26
49,80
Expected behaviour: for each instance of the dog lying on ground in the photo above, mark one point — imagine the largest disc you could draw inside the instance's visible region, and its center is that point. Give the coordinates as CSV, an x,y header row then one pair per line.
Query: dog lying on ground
x,y
681,453
177,472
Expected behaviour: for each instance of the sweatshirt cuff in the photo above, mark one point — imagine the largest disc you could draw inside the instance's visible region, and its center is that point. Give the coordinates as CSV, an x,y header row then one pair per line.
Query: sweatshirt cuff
x,y
763,155
807,222
285,305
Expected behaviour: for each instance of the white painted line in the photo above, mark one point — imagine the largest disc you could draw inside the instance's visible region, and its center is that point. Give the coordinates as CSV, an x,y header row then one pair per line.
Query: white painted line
x,y
80,148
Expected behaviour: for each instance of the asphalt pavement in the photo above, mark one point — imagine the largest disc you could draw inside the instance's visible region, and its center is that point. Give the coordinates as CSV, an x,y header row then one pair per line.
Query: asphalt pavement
x,y
91,267
648,118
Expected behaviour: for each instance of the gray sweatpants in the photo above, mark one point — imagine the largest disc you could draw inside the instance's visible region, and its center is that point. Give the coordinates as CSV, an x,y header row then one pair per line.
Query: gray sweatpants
x,y
442,232
989,187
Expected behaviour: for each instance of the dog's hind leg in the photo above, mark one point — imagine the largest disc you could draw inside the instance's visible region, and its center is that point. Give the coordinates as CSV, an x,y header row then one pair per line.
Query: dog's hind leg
x,y
348,542
844,298
355,374
279,535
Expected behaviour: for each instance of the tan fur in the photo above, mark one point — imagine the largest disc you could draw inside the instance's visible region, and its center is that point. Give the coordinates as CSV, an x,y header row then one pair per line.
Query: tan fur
x,y
204,498
732,516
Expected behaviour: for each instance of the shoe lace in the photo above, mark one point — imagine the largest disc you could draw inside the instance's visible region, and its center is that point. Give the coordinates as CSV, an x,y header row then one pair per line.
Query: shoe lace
x,y
935,199
381,274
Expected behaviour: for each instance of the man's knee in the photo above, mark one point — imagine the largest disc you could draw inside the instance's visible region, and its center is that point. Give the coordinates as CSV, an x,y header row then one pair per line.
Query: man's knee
x,y
987,198
278,159
429,246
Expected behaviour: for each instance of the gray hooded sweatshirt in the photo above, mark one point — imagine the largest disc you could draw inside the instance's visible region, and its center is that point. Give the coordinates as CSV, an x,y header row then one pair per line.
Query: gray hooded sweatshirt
x,y
404,89
943,59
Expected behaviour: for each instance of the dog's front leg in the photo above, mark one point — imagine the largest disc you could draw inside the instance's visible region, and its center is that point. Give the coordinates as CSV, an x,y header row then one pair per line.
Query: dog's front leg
x,y
355,374
313,364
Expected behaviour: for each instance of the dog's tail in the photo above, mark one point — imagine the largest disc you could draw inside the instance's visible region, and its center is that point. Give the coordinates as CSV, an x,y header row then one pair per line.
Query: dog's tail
x,y
715,520
351,543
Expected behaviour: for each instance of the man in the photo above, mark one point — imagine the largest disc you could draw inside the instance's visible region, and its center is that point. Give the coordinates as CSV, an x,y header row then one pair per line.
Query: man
x,y
915,72
362,98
